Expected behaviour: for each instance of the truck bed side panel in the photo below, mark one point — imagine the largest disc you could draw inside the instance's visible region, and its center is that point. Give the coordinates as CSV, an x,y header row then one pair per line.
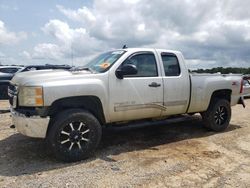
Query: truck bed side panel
x,y
204,85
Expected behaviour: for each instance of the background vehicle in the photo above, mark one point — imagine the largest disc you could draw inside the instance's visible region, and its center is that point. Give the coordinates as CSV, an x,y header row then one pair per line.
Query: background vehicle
x,y
43,67
246,86
9,69
69,108
7,73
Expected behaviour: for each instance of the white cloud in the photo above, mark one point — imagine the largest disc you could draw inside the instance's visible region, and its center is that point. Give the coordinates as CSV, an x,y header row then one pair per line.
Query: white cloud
x,y
141,27
71,42
194,63
8,37
82,14
210,33
106,22
25,55
58,29
47,51
131,1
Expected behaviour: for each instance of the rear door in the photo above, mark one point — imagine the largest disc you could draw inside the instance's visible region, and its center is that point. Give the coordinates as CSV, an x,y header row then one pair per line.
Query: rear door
x,y
137,96
176,83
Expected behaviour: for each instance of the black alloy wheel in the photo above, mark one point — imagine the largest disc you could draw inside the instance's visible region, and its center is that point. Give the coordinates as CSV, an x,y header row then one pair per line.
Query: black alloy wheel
x,y
73,135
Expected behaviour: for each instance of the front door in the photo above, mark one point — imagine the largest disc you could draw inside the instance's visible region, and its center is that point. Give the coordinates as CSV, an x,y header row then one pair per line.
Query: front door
x,y
137,96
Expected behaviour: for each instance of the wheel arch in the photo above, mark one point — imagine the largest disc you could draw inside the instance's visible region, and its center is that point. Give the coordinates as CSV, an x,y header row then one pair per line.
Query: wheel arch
x,y
90,103
221,94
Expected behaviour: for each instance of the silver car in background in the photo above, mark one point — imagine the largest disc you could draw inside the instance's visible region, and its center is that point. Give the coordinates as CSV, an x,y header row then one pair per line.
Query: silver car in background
x,y
246,88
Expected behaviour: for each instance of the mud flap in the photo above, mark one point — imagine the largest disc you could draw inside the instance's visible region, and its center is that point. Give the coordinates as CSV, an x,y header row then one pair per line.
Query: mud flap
x,y
241,101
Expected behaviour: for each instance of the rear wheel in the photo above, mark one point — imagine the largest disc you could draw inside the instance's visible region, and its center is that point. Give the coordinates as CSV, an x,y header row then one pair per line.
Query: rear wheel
x,y
218,115
74,135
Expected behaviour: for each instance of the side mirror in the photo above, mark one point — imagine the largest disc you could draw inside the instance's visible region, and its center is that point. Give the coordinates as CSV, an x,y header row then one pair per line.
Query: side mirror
x,y
127,69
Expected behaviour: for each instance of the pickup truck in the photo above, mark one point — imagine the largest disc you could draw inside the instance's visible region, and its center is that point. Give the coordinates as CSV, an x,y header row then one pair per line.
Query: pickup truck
x,y
69,107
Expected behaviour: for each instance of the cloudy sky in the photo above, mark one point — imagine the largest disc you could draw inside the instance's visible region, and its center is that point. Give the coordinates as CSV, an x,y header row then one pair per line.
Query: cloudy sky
x,y
209,33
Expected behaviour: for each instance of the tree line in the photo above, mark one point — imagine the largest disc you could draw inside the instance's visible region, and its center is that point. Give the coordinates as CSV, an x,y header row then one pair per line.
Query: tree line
x,y
222,70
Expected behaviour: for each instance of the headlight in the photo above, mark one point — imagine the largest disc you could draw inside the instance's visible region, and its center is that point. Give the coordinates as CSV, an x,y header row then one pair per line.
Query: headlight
x,y
30,96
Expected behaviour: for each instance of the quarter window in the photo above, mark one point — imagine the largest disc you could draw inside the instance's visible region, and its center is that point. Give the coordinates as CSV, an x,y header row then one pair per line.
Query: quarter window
x,y
171,64
145,63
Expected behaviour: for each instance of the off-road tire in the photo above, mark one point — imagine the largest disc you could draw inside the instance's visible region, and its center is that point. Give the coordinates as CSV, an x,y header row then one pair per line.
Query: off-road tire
x,y
67,141
218,115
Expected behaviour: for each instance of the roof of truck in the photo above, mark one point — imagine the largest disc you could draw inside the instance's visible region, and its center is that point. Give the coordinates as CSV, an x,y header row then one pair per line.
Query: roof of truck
x,y
149,49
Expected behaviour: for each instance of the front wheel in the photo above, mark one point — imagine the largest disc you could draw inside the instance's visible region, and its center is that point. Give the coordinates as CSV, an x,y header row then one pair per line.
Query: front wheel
x,y
74,135
218,115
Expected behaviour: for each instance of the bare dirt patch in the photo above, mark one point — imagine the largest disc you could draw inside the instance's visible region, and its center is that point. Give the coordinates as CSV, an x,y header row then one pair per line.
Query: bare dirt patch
x,y
159,154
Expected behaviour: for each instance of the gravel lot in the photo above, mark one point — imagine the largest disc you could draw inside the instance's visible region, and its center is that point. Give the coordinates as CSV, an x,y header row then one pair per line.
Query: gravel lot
x,y
162,154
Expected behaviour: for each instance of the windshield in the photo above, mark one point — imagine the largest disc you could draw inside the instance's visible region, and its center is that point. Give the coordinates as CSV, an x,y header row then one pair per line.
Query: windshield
x,y
104,61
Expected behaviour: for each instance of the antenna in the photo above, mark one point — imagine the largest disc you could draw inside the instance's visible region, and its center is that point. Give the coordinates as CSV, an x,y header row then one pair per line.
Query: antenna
x,y
124,46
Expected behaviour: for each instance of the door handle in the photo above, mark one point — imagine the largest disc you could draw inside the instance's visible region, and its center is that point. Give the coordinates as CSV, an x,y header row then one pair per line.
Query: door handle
x,y
154,84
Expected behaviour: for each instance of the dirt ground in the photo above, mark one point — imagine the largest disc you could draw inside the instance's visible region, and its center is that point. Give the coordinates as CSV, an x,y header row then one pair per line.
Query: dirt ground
x,y
159,154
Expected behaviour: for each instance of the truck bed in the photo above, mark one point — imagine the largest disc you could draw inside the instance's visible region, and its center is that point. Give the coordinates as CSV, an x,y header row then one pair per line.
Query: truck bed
x,y
203,85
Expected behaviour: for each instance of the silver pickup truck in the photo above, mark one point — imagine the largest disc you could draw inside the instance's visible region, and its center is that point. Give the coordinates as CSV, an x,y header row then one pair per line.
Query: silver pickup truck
x,y
69,107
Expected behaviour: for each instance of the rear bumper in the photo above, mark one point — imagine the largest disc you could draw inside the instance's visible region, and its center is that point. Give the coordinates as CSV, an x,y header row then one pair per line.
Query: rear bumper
x,y
33,126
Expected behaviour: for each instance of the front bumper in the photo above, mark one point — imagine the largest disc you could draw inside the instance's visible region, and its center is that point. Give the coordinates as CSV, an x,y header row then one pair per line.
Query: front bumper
x,y
33,126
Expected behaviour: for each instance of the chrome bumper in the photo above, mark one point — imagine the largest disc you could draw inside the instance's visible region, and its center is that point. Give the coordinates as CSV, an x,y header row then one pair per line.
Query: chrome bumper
x,y
33,126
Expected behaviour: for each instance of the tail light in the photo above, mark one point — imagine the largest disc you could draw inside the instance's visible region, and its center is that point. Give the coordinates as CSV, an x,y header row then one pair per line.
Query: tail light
x,y
241,86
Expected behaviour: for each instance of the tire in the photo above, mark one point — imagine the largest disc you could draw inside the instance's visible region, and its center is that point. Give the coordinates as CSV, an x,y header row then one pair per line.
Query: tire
x,y
218,115
74,135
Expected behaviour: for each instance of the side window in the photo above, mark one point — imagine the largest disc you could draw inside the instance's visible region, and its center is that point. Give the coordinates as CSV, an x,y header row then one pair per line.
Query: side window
x,y
171,64
145,63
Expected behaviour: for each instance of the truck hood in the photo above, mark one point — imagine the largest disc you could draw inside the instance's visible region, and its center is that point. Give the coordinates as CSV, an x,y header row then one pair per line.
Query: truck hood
x,y
38,77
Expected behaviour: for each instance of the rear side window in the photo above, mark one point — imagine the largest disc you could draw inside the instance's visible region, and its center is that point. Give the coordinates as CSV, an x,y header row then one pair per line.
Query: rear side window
x,y
145,64
171,64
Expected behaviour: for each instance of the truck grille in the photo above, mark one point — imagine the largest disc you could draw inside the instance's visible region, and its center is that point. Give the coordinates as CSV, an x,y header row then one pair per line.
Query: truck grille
x,y
12,92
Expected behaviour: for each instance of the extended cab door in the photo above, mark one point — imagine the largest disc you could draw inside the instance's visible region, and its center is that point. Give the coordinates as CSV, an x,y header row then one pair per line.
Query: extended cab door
x,y
176,83
137,96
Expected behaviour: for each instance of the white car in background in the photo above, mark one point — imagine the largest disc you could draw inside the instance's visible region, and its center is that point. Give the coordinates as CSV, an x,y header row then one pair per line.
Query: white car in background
x,y
246,88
